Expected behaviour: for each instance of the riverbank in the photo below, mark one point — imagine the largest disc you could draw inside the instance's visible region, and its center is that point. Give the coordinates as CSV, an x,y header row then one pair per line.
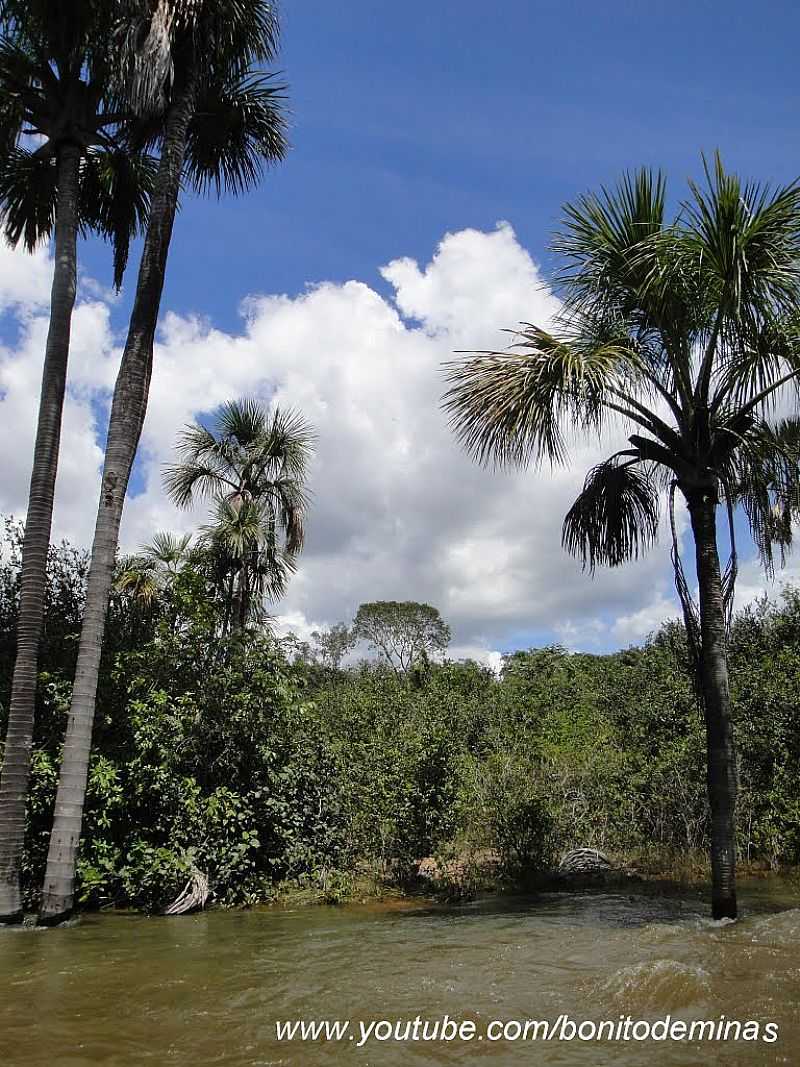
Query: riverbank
x,y
468,876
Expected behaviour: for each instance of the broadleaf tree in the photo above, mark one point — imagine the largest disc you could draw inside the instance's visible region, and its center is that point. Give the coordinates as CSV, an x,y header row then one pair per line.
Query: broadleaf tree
x,y
404,633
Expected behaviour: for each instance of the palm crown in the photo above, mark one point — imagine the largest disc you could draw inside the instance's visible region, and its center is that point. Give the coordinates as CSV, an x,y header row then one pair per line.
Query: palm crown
x,y
686,331
146,574
252,466
59,86
238,119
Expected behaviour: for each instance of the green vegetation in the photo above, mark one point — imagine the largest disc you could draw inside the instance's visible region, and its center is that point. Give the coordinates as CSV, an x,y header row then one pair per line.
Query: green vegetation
x,y
57,81
403,634
265,771
252,466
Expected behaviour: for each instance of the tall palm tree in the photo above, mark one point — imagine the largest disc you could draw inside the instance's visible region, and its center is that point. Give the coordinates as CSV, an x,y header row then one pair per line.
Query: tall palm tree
x,y
197,61
685,331
55,84
253,467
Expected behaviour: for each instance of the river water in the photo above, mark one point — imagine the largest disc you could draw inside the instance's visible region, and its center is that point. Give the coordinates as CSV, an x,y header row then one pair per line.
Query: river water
x,y
209,989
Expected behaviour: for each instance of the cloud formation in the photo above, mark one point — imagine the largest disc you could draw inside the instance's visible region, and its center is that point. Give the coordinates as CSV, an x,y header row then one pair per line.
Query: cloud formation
x,y
399,512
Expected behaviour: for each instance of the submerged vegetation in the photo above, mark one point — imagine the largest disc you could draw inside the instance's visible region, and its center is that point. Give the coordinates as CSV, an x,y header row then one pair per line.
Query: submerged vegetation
x,y
263,768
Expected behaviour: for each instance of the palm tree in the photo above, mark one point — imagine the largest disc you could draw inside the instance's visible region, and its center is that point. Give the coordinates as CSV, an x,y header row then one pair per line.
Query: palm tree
x,y
685,331
144,576
253,467
55,84
222,121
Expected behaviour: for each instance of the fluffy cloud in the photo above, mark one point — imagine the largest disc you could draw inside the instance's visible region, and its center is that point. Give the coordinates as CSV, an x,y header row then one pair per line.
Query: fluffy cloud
x,y
399,512
24,300
24,280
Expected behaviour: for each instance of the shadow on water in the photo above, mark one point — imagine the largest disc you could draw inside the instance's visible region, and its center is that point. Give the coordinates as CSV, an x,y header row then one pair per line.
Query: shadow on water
x,y
207,989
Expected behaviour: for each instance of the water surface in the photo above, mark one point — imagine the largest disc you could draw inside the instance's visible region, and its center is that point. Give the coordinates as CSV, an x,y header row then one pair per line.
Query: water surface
x,y
208,989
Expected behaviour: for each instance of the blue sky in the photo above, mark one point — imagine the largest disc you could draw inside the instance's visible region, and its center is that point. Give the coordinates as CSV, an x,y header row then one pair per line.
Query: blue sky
x,y
416,119
410,122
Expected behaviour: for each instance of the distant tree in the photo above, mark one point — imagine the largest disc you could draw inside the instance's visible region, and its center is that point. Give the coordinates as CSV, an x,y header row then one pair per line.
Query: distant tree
x,y
333,644
405,633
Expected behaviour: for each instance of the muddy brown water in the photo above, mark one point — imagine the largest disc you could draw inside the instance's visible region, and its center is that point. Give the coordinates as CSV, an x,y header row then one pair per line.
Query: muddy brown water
x,y
209,989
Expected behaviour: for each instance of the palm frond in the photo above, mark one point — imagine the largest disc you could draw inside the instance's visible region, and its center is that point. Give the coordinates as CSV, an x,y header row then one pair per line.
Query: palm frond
x,y
221,37
289,440
238,528
236,34
144,42
253,464
757,364
615,518
273,571
749,237
28,192
238,128
512,407
184,482
167,548
138,578
115,200
763,476
597,236
19,69
243,421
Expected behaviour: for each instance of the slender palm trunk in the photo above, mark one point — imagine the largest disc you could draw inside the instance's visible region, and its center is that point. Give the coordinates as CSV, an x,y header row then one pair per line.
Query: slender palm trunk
x,y
236,606
19,734
125,425
717,704
226,618
244,608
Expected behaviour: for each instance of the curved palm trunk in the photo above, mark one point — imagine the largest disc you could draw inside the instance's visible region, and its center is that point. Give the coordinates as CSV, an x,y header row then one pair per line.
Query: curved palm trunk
x,y
125,426
38,522
717,705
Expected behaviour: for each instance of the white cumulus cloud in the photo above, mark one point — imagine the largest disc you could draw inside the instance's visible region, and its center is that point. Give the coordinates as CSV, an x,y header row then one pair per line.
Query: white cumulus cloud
x,y
399,511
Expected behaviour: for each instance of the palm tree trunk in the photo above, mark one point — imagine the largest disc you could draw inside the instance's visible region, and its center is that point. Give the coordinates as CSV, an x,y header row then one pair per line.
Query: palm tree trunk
x,y
38,523
226,618
236,605
721,755
125,425
245,602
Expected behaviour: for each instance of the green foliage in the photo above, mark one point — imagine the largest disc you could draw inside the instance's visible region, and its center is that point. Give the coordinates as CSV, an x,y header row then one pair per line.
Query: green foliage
x,y
252,466
220,753
332,645
685,332
58,82
505,807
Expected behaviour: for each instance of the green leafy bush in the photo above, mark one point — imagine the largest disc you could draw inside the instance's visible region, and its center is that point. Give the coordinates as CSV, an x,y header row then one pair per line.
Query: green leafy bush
x,y
224,754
